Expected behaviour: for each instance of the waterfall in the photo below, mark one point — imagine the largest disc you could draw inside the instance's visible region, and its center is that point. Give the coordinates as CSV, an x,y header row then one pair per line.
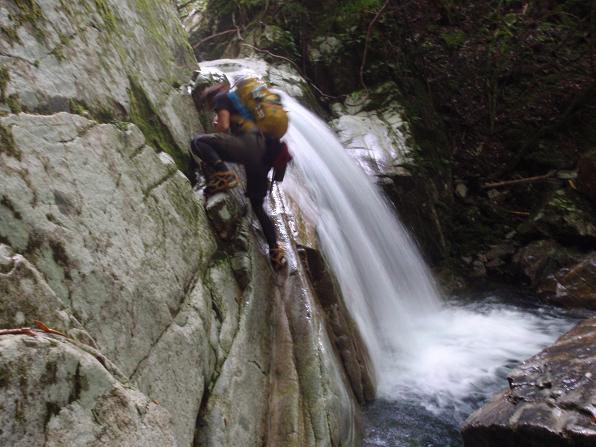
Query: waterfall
x,y
385,283
444,357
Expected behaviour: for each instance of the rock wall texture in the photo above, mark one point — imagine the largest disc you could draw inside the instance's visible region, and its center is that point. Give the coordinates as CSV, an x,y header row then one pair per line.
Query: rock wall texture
x,y
173,334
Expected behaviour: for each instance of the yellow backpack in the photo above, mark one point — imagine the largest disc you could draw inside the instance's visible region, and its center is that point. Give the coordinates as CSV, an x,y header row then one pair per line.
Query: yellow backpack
x,y
260,107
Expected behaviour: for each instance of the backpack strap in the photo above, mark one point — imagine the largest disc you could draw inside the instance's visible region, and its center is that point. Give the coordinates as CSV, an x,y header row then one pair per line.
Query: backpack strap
x,y
241,108
244,119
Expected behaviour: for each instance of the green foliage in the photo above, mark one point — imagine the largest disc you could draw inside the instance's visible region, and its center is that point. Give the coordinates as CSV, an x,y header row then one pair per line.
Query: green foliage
x,y
354,7
453,39
278,41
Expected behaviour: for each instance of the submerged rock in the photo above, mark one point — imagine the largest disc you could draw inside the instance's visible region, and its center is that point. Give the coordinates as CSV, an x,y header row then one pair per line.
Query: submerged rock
x,y
550,400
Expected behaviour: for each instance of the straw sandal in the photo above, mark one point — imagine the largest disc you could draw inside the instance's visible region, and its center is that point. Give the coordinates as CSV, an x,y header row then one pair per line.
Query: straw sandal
x,y
278,257
221,181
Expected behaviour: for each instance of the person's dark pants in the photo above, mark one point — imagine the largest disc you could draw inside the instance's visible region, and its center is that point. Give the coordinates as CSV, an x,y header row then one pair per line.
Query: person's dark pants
x,y
248,150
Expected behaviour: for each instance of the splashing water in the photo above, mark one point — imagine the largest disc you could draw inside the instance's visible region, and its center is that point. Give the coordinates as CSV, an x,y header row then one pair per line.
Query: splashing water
x,y
442,357
422,349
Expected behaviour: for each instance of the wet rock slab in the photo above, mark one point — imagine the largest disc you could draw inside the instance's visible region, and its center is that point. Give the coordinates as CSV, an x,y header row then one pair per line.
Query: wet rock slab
x,y
551,400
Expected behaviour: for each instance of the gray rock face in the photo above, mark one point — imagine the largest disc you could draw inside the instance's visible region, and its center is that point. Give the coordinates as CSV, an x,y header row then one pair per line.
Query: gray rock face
x,y
79,195
111,60
137,265
117,238
54,393
103,238
550,401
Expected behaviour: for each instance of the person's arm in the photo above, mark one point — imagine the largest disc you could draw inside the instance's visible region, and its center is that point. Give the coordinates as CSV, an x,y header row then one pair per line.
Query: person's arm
x,y
222,122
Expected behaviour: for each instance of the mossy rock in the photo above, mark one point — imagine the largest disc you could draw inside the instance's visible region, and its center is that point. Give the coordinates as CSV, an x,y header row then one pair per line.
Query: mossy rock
x,y
144,114
566,216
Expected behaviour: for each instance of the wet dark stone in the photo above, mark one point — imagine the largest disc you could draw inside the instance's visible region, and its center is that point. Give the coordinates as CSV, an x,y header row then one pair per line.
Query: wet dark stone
x,y
586,175
550,400
572,286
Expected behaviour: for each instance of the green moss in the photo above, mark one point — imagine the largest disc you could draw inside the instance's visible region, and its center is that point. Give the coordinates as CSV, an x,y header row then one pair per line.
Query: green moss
x,y
99,113
7,143
103,114
30,12
78,107
11,33
155,26
13,102
163,31
121,125
106,14
157,134
4,78
58,53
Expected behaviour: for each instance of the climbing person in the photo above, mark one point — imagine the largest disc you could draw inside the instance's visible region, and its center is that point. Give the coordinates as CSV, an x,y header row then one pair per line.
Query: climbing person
x,y
240,140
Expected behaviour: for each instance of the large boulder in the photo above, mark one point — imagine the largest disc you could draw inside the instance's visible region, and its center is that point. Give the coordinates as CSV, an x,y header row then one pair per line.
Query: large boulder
x,y
562,276
118,239
100,215
103,238
110,60
54,393
550,400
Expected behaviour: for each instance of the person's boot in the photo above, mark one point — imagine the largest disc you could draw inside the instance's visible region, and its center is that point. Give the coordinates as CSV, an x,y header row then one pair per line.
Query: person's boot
x,y
277,255
220,180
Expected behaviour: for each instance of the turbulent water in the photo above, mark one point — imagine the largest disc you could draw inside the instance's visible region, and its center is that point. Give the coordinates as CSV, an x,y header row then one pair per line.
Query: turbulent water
x,y
442,359
436,359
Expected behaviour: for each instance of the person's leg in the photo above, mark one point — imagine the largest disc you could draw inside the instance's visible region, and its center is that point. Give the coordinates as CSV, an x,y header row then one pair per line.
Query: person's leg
x,y
213,150
256,190
223,147
205,152
264,220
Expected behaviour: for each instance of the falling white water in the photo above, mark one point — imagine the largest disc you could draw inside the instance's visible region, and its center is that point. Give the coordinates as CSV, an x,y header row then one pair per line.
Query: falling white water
x,y
382,276
422,349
